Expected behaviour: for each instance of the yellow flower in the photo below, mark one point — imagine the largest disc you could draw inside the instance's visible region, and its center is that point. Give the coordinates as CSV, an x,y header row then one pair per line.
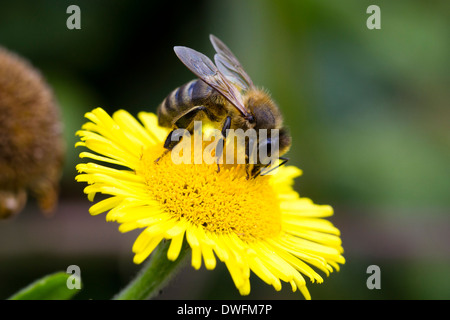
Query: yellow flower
x,y
259,225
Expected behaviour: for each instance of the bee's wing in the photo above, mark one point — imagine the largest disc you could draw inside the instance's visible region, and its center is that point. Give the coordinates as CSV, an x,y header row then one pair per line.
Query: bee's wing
x,y
229,65
205,69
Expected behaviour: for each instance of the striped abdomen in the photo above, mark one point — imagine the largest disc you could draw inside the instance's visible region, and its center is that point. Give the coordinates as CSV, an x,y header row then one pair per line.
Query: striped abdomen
x,y
181,100
184,98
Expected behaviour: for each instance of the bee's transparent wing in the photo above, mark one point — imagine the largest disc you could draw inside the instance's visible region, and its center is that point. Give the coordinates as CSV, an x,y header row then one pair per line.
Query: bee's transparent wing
x,y
229,65
205,69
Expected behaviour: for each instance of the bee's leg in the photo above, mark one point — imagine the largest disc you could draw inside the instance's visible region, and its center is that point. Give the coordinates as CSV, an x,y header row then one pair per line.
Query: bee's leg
x,y
169,144
161,156
219,151
226,126
186,119
220,143
182,123
256,171
247,160
252,170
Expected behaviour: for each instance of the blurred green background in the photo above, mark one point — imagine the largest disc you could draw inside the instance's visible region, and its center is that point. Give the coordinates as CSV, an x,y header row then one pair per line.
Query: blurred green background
x,y
368,111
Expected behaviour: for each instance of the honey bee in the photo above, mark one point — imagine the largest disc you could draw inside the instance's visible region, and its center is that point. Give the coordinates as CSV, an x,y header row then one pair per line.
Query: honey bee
x,y
223,93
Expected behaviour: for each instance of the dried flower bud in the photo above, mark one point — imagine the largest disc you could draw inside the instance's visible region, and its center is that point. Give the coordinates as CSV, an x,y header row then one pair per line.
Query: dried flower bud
x,y
31,142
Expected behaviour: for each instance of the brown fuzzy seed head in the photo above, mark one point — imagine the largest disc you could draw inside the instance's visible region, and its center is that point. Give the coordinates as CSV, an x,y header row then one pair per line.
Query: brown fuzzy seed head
x,y
31,141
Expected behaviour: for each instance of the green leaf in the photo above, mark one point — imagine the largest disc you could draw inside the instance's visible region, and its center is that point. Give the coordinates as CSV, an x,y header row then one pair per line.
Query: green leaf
x,y
51,287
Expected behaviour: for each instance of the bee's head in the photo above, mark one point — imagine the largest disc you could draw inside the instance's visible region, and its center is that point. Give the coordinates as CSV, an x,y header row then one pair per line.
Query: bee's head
x,y
264,113
272,139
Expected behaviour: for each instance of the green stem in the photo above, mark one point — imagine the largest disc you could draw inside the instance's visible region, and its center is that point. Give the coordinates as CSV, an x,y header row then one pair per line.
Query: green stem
x,y
154,274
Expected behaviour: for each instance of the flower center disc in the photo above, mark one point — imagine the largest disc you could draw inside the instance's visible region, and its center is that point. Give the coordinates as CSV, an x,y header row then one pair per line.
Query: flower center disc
x,y
220,202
